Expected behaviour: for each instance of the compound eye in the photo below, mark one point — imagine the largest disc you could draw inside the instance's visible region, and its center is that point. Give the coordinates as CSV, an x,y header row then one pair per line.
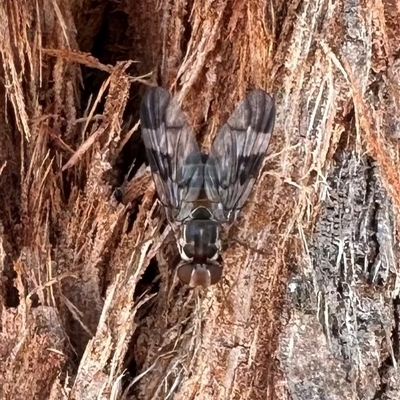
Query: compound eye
x,y
194,274
185,273
215,271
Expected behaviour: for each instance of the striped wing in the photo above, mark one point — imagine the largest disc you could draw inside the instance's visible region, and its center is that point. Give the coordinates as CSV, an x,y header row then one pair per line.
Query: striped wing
x,y
172,152
237,154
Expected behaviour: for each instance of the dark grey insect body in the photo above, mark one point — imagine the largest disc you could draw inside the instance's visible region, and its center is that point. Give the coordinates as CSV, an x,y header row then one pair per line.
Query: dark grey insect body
x,y
199,192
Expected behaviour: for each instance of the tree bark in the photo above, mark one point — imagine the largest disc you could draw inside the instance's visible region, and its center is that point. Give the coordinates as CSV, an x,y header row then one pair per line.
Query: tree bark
x,y
90,305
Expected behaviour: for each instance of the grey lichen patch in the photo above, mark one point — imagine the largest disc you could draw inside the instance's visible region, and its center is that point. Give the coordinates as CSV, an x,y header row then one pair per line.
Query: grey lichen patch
x,y
349,289
312,371
354,239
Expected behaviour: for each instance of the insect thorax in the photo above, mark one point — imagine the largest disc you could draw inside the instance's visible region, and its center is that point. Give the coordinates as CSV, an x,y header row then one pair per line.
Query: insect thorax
x,y
200,237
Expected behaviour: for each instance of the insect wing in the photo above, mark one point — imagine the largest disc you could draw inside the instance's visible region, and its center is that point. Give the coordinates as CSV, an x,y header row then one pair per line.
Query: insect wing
x,y
237,153
172,152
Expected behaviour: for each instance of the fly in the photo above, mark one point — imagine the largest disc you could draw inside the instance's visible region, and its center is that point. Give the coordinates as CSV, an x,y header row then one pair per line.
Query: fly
x,y
202,192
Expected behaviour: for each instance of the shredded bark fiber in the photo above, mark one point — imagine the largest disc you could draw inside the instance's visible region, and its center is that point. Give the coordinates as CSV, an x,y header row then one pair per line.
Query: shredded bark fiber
x,y
90,307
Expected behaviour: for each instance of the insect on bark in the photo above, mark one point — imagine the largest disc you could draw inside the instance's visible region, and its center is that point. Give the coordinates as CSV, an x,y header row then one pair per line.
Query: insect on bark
x,y
201,192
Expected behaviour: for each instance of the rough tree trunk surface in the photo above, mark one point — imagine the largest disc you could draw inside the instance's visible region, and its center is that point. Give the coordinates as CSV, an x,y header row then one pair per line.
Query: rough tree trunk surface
x,y
90,305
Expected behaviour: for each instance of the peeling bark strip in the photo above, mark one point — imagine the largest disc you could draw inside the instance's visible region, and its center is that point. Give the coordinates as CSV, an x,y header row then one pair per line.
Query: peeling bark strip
x,y
89,306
